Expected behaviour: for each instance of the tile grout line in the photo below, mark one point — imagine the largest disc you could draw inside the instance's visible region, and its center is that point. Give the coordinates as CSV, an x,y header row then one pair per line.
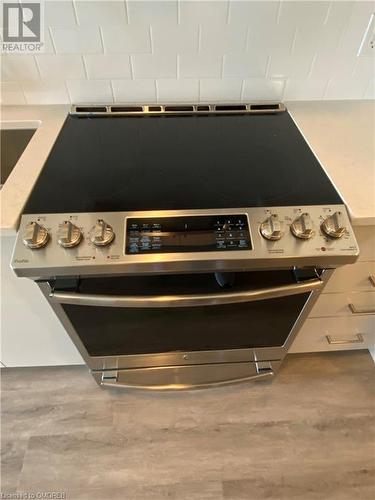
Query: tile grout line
x,y
102,40
37,67
52,39
326,88
178,12
242,89
283,91
156,90
126,11
312,65
85,66
268,67
278,15
327,14
112,90
75,13
228,11
151,38
292,47
68,92
131,66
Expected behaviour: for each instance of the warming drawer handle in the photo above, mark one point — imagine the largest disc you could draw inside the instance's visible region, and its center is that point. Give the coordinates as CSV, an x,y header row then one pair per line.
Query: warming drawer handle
x,y
82,299
358,339
361,310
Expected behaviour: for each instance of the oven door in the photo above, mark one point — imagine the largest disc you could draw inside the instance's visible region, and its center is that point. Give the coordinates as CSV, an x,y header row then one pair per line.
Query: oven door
x,y
134,322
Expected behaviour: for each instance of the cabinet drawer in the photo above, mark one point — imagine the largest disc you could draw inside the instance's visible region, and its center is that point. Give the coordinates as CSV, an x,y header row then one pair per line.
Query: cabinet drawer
x,y
344,304
345,333
366,240
356,277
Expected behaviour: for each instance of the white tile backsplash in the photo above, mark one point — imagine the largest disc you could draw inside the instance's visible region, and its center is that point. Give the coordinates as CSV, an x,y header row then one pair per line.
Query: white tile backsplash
x,y
245,64
46,92
185,38
162,12
85,39
304,89
12,93
201,65
214,90
181,50
90,91
127,39
142,91
263,89
154,65
59,14
253,13
203,12
223,38
18,68
172,90
99,12
60,66
107,66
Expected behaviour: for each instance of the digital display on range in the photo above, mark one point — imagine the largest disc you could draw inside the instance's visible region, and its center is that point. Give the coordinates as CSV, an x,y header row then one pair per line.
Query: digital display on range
x,y
198,233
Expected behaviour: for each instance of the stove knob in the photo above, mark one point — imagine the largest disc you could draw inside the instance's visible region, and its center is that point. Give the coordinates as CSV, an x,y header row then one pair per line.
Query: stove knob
x,y
102,233
69,235
35,236
333,226
303,227
271,228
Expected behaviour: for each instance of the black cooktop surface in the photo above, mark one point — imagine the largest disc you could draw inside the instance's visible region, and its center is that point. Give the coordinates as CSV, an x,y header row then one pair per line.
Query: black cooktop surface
x,y
179,162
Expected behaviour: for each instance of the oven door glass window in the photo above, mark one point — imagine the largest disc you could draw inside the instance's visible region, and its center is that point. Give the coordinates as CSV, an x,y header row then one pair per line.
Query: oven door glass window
x,y
114,331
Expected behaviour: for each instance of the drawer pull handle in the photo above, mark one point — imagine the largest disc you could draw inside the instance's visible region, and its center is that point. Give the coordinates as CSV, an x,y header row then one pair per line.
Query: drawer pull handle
x,y
372,280
357,340
361,310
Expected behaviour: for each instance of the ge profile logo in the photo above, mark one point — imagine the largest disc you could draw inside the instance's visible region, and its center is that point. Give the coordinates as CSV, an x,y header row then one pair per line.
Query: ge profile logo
x,y
22,27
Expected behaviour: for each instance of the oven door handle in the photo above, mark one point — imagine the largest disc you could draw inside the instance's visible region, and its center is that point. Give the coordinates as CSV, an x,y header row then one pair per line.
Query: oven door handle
x,y
84,299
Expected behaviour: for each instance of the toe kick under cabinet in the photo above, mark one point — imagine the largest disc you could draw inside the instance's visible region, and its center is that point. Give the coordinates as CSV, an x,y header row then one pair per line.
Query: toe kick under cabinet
x,y
344,316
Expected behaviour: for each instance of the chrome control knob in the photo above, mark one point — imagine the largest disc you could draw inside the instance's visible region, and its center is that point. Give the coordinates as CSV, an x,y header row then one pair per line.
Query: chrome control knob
x,y
101,234
333,226
302,227
69,235
272,228
35,236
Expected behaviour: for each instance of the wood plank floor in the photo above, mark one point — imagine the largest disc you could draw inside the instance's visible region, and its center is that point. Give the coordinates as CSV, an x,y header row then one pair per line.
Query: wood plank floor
x,y
307,435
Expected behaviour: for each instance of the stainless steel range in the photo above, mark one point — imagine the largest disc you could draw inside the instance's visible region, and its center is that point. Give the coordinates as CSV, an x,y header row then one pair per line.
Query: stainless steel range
x,y
182,246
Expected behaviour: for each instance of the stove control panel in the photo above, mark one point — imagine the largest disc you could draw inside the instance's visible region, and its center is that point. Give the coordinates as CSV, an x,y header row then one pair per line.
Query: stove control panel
x,y
181,241
196,233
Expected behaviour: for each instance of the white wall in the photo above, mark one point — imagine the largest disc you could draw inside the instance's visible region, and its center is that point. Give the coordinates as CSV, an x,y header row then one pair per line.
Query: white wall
x,y
179,50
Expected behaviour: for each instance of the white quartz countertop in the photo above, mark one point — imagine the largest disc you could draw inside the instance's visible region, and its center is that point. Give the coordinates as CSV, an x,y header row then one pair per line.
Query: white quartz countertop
x,y
48,121
341,134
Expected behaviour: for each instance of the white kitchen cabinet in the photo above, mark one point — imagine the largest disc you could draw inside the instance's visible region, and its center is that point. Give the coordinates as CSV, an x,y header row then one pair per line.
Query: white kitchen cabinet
x,y
31,334
343,317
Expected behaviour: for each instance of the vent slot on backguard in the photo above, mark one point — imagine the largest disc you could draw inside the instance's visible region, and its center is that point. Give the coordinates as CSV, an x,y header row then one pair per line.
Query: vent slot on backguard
x,y
230,107
175,109
126,109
